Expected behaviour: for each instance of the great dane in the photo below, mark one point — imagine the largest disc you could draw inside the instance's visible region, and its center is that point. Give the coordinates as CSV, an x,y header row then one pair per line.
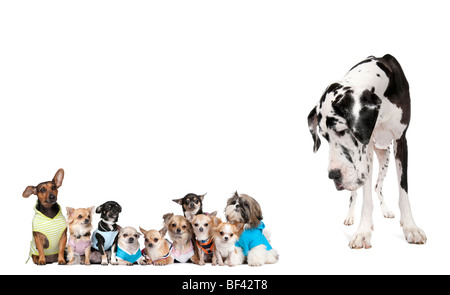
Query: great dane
x,y
365,112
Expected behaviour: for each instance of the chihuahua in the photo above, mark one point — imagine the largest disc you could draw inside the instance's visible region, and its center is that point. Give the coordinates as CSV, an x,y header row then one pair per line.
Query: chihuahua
x,y
49,225
127,250
181,234
225,236
202,225
105,236
157,251
192,204
80,226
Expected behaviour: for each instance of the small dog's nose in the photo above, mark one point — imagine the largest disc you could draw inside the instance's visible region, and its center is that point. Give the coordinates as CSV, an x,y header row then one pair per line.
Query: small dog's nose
x,y
178,230
201,229
226,238
130,240
335,174
52,198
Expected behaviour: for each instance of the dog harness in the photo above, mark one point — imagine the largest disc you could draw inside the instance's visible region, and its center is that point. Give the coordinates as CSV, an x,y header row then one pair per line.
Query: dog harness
x,y
132,258
79,246
109,237
206,245
183,257
51,228
251,238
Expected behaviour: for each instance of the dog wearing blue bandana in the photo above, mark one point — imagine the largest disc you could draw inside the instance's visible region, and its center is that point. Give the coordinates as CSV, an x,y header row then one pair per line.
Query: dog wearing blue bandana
x,y
253,244
127,250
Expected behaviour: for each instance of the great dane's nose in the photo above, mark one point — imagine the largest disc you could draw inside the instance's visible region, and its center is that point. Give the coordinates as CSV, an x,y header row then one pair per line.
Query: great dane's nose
x,y
335,174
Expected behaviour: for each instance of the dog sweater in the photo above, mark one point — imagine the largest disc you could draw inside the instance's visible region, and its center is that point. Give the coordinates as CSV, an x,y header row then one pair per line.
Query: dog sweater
x,y
79,246
52,228
132,258
183,257
251,238
109,237
206,245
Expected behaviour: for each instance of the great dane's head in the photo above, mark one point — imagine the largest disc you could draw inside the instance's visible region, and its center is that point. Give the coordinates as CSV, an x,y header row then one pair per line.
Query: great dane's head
x,y
346,117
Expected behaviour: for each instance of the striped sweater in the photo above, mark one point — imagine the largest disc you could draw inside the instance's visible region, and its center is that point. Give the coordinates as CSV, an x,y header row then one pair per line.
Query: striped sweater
x,y
52,228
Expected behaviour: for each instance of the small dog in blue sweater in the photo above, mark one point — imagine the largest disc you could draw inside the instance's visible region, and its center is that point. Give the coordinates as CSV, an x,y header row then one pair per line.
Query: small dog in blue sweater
x,y
253,242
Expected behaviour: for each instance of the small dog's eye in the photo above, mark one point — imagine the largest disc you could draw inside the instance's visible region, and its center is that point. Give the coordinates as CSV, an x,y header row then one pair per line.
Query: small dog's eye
x,y
196,224
245,204
196,201
187,202
80,216
233,203
125,235
184,226
43,190
156,240
136,236
221,233
205,225
146,240
231,235
174,224
54,187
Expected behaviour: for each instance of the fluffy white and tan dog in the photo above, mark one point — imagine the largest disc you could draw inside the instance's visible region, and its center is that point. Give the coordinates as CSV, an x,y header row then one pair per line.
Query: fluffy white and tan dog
x,y
253,243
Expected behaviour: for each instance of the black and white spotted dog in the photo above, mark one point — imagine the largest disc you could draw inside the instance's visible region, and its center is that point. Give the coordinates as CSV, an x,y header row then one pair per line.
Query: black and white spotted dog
x,y
365,112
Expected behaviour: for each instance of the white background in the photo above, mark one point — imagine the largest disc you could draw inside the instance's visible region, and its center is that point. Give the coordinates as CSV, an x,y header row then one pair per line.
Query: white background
x,y
145,101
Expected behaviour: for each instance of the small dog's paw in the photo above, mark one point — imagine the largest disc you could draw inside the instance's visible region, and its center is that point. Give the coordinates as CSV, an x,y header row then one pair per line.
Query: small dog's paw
x,y
414,235
361,240
61,262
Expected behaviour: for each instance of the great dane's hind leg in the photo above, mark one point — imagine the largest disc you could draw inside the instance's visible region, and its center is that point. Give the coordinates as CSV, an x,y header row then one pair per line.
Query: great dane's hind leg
x,y
412,232
350,219
383,161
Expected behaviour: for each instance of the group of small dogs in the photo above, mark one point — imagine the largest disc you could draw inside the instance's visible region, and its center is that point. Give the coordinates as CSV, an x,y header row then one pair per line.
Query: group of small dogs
x,y
195,236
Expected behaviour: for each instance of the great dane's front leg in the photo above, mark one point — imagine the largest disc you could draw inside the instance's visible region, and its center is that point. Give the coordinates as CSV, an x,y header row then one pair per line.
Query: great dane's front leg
x,y
413,234
361,239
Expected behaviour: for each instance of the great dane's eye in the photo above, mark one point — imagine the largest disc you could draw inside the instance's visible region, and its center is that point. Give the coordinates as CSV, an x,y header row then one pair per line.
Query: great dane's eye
x,y
341,133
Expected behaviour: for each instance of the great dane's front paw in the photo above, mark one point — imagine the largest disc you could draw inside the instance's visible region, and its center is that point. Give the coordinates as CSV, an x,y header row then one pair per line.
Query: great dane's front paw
x,y
414,235
361,239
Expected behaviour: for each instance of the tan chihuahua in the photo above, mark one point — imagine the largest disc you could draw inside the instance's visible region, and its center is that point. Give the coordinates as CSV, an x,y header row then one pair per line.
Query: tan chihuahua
x,y
80,226
157,251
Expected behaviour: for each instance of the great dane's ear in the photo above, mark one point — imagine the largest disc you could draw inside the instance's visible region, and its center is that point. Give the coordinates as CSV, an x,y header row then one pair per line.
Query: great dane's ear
x,y
362,123
312,123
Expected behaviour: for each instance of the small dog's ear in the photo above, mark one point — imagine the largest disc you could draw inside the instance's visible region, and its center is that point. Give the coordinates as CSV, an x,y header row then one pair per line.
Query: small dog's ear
x,y
99,209
30,190
142,230
163,231
178,201
91,210
213,214
201,197
240,228
58,179
69,211
236,194
167,217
